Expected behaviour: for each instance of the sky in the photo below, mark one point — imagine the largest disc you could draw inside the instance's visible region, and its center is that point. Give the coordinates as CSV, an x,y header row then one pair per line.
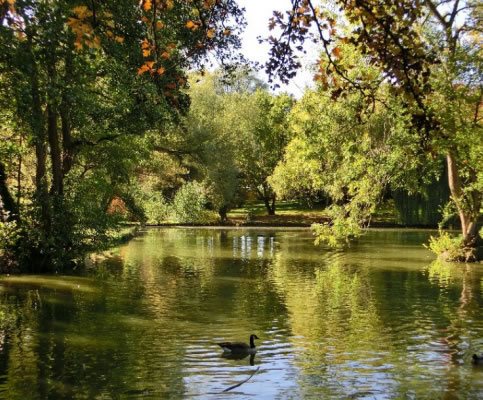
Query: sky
x,y
258,13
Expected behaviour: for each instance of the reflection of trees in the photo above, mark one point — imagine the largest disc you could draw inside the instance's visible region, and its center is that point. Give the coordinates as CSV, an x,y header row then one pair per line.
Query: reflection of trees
x,y
151,314
334,315
451,277
66,342
456,280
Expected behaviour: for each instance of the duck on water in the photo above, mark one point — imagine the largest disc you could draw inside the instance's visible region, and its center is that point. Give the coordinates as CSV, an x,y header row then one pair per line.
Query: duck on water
x,y
239,347
477,359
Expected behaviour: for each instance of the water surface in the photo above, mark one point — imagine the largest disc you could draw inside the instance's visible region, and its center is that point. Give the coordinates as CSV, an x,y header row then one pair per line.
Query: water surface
x,y
379,321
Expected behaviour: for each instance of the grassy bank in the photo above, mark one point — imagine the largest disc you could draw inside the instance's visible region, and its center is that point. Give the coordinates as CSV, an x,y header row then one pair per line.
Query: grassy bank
x,y
291,213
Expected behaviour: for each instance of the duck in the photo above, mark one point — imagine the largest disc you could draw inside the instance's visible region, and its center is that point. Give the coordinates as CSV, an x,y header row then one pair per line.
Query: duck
x,y
239,347
477,359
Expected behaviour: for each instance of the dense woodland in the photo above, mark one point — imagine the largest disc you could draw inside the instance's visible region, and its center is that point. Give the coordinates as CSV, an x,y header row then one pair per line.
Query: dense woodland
x,y
145,112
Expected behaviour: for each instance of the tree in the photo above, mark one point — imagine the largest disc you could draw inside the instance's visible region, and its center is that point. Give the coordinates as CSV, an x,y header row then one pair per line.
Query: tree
x,y
263,136
428,54
86,78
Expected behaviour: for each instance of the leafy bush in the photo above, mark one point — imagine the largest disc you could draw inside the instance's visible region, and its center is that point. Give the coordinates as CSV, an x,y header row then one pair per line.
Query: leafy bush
x,y
189,204
447,247
156,208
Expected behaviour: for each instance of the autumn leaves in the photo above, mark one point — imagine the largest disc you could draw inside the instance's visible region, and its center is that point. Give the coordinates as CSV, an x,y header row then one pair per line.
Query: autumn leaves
x,y
175,31
82,26
165,21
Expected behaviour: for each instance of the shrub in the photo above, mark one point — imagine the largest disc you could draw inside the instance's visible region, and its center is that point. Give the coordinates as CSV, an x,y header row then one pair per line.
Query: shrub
x,y
189,204
448,247
156,208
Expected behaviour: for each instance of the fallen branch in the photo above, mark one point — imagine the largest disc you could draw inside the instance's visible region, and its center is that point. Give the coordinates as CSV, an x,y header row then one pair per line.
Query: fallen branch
x,y
241,383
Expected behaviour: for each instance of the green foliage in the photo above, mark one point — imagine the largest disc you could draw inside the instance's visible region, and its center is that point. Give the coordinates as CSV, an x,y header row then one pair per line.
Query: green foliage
x,y
337,153
447,247
189,204
425,207
156,208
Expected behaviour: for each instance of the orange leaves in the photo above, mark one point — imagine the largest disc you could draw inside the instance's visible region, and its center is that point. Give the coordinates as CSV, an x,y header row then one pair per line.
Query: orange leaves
x,y
160,71
146,53
83,30
210,33
81,26
321,77
148,66
227,32
208,3
82,12
143,69
165,55
147,5
336,52
192,25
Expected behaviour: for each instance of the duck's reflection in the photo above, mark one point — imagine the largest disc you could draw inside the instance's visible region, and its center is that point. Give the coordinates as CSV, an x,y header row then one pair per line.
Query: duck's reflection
x,y
240,356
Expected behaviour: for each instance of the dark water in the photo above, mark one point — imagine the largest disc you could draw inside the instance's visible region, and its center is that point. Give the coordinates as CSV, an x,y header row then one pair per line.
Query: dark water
x,y
380,321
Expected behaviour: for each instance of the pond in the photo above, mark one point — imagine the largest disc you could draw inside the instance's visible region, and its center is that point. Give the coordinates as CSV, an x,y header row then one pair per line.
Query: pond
x,y
381,320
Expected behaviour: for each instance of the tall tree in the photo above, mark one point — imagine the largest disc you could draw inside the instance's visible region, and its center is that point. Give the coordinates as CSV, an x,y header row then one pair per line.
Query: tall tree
x,y
428,53
262,140
84,78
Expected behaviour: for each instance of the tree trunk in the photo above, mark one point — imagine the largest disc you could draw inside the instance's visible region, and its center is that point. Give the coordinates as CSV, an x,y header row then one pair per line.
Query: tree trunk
x,y
222,212
468,208
38,129
64,112
6,200
55,155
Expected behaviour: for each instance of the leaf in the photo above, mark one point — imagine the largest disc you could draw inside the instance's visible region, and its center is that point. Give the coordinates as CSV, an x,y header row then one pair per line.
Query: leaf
x,y
82,12
145,44
159,25
146,53
166,55
210,33
150,64
226,32
190,24
119,39
160,71
171,85
336,52
147,5
143,69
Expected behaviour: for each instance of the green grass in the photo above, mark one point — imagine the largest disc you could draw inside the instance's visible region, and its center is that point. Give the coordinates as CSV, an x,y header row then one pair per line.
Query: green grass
x,y
287,213
292,212
281,208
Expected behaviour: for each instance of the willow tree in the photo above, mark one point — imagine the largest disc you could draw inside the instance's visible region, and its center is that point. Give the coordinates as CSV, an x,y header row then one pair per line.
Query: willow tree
x,y
83,78
428,53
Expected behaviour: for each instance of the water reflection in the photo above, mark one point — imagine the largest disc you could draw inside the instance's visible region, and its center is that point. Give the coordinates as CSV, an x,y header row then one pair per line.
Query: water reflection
x,y
378,321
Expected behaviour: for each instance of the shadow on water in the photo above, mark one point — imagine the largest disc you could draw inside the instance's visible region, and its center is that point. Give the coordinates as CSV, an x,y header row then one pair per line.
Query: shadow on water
x,y
378,321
